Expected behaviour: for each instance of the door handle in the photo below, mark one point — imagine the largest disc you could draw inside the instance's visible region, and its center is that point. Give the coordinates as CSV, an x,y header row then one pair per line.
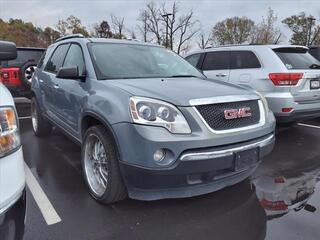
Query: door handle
x,y
221,75
56,86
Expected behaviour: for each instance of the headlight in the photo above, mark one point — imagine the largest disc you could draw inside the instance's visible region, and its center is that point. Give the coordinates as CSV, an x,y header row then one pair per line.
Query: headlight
x,y
158,113
9,131
264,101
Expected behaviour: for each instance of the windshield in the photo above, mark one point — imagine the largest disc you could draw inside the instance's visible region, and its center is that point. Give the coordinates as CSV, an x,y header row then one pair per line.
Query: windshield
x,y
123,61
297,58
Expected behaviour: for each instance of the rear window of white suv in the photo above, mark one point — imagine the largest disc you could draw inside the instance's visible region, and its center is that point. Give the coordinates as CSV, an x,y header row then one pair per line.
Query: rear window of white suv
x,y
297,58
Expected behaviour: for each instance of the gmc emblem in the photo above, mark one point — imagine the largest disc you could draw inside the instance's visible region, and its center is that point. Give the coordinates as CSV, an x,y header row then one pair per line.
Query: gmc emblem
x,y
237,113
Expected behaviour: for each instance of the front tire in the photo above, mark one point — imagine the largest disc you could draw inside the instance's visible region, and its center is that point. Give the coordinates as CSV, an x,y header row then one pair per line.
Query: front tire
x,y
41,127
101,166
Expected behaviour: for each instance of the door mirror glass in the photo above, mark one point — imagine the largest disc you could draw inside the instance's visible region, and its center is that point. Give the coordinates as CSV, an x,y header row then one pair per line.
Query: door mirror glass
x,y
8,50
69,73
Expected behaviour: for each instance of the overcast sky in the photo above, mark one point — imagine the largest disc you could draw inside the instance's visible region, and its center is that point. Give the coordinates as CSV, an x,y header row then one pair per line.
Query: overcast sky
x,y
48,12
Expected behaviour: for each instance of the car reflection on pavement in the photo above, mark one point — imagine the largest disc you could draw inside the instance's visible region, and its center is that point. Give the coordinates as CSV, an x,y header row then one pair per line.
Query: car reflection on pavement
x,y
278,195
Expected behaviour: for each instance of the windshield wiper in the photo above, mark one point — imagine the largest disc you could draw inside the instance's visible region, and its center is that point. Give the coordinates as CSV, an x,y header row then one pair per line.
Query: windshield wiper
x,y
182,76
314,66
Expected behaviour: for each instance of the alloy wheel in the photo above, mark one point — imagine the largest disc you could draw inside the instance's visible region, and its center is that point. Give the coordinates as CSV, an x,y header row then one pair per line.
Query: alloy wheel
x,y
96,165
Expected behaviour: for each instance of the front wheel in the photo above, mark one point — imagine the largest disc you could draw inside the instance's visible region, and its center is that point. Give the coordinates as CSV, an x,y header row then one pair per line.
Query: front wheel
x,y
101,166
41,127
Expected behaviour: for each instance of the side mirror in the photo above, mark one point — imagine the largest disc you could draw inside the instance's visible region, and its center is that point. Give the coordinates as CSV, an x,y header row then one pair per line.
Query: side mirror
x,y
8,50
69,73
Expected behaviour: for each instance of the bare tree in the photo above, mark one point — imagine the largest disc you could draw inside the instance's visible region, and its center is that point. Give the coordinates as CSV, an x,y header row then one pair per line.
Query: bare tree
x,y
118,26
266,32
187,30
153,21
143,28
204,40
165,24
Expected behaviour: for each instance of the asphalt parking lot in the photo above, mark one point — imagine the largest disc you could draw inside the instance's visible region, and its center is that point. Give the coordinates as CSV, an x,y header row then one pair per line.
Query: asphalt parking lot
x,y
286,184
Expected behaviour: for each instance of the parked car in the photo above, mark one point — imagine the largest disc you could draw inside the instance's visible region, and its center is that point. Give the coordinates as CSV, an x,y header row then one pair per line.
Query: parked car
x,y
150,124
288,76
315,51
12,177
16,74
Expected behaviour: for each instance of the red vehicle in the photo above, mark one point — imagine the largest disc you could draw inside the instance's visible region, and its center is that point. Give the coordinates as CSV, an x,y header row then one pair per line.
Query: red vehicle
x,y
17,74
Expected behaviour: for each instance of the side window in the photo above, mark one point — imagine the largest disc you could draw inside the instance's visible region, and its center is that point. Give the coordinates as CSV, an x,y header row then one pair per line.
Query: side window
x,y
75,58
244,60
194,59
216,61
57,58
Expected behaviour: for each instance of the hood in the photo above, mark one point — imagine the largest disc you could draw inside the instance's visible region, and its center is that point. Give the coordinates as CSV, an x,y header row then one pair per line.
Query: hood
x,y
178,91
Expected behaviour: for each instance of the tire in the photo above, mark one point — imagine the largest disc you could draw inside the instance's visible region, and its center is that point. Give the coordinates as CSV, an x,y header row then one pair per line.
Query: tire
x,y
41,127
26,73
101,166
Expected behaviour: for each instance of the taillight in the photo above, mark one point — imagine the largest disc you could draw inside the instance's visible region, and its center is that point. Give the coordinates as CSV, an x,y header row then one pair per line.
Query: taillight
x,y
10,76
285,79
274,206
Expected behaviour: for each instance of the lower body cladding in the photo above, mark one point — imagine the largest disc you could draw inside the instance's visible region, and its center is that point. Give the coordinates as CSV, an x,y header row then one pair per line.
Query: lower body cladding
x,y
286,109
12,220
195,170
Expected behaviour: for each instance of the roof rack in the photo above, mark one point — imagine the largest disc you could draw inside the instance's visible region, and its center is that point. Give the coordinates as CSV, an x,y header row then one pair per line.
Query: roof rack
x,y
78,35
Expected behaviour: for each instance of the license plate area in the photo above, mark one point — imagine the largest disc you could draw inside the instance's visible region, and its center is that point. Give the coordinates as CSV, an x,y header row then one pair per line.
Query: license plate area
x,y
314,84
246,159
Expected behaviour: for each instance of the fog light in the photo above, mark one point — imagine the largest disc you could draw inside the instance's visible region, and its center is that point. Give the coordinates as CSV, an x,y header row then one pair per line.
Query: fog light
x,y
159,155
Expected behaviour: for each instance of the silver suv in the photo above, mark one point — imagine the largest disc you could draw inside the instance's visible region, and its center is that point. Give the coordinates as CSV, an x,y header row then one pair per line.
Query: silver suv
x,y
287,75
150,125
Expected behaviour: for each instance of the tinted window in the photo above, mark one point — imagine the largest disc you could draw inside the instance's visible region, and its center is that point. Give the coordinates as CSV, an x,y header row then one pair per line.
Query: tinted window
x,y
57,58
75,58
116,61
24,56
315,52
193,59
216,60
244,59
296,58
45,56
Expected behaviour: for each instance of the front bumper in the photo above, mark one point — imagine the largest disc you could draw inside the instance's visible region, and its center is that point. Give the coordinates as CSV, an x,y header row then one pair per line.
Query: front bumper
x,y
12,220
302,111
196,172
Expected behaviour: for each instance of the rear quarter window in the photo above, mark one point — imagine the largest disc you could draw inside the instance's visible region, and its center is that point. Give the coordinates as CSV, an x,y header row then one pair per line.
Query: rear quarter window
x,y
315,52
244,60
296,58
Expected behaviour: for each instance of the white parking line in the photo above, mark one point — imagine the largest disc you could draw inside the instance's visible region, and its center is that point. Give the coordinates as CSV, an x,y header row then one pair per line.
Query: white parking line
x,y
22,118
308,125
48,212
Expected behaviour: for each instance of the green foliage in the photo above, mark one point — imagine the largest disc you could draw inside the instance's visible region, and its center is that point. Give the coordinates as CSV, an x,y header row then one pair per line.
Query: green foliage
x,y
72,25
22,33
234,30
301,25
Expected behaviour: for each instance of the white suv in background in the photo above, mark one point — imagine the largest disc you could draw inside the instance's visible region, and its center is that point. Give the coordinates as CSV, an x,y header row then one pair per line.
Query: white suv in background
x,y
12,176
287,75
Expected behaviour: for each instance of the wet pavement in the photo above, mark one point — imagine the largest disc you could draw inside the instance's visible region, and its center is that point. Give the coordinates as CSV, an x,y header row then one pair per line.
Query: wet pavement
x,y
281,201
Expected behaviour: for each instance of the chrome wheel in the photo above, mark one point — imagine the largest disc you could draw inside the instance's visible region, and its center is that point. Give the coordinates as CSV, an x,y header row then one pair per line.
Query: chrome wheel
x,y
28,73
34,116
96,165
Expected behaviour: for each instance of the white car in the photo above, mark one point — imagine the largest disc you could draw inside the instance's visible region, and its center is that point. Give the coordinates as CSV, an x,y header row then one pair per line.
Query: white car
x,y
287,75
12,175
